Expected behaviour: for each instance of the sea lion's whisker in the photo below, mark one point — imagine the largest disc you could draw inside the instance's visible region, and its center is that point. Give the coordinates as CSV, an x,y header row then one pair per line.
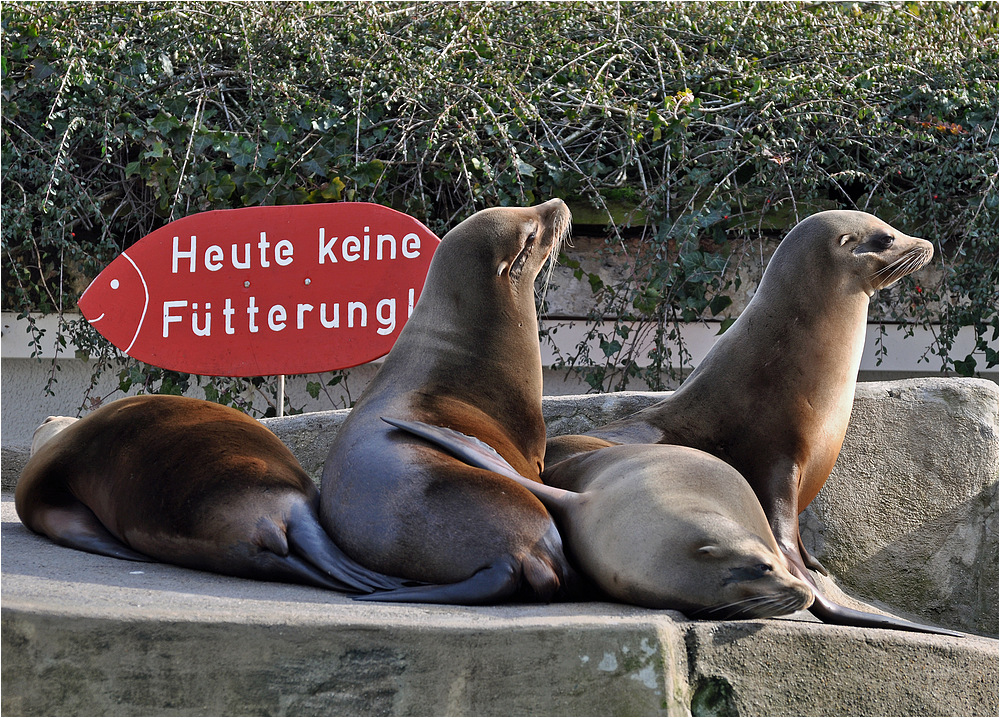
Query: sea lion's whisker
x,y
899,268
738,607
561,235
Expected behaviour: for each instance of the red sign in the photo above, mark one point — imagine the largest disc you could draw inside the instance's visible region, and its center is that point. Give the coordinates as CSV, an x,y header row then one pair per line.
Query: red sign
x,y
265,290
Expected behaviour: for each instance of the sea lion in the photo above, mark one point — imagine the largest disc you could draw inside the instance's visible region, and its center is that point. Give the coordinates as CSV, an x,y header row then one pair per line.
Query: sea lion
x,y
659,526
774,395
468,358
187,482
48,429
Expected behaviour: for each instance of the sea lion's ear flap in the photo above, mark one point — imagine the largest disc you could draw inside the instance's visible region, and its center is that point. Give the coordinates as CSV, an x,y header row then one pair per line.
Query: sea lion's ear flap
x,y
844,239
710,550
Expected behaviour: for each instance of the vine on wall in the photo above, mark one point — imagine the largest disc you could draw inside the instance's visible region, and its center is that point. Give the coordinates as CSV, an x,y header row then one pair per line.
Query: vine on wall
x,y
711,123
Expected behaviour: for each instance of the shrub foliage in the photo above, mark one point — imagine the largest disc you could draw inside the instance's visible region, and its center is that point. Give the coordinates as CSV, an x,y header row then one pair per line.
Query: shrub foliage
x,y
710,122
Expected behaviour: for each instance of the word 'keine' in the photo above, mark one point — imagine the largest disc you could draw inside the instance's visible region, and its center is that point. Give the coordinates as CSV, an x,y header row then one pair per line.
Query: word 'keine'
x,y
282,253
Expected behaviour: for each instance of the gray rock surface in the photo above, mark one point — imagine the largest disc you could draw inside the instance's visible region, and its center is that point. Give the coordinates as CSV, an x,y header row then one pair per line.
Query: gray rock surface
x,y
907,522
89,635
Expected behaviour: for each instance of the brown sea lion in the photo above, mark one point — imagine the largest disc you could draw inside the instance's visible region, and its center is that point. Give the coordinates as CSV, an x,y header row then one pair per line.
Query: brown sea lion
x,y
468,358
665,527
187,482
774,395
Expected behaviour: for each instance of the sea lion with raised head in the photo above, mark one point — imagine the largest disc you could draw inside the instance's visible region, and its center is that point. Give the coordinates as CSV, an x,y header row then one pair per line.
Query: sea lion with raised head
x,y
187,482
659,526
774,395
468,358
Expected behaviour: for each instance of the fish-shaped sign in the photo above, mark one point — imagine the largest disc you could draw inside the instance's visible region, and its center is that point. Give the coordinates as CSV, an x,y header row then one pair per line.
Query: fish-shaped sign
x,y
261,291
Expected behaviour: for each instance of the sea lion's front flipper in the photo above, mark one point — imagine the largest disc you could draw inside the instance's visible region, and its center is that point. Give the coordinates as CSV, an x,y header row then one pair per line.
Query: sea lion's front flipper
x,y
309,541
77,527
488,585
811,561
479,454
467,448
830,612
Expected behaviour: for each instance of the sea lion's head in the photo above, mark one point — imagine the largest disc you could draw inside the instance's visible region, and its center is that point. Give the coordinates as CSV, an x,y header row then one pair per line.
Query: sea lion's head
x,y
705,565
744,577
48,429
850,251
508,244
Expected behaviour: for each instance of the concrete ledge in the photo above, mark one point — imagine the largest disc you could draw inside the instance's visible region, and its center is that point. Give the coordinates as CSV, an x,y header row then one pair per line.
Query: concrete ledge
x,y
908,521
88,635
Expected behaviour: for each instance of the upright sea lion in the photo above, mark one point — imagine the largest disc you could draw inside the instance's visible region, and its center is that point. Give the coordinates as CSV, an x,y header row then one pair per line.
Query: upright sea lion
x,y
468,358
774,395
666,527
187,482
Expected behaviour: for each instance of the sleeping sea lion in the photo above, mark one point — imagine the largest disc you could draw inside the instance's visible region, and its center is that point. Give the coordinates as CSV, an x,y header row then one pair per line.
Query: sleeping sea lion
x,y
187,482
665,527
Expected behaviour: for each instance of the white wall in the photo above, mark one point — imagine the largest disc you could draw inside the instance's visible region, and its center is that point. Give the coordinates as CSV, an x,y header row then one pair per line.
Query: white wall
x,y
24,404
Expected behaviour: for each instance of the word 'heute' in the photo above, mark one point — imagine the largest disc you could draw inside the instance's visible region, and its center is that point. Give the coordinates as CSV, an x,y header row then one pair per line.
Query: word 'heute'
x,y
351,249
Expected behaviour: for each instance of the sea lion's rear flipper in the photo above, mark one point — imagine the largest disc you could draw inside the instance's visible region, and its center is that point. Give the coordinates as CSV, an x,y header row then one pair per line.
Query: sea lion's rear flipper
x,y
308,540
488,585
77,527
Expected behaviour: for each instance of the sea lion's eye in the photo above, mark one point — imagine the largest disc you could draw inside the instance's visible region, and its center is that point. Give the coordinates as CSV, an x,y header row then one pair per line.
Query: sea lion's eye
x,y
877,243
533,235
764,568
883,242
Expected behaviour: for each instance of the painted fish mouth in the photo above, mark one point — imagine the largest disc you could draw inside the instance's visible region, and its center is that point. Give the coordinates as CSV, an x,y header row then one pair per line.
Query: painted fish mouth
x,y
909,262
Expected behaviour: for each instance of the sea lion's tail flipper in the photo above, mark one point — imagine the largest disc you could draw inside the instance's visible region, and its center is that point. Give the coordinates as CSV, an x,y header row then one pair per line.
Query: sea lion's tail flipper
x,y
308,540
489,585
77,527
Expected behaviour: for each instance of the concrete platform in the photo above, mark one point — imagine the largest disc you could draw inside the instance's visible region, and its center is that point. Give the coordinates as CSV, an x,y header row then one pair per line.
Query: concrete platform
x,y
908,520
88,635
